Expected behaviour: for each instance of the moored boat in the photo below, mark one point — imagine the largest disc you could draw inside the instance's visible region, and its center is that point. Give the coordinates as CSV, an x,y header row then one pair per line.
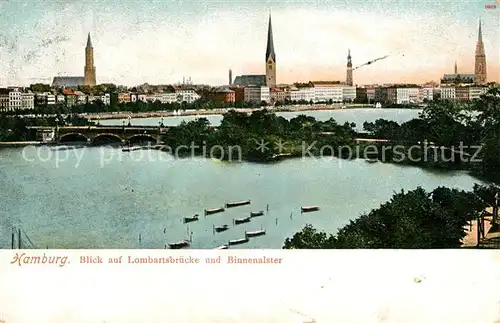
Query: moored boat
x,y
179,244
254,214
371,160
213,211
240,203
221,228
223,247
255,233
309,208
188,219
128,149
242,220
238,241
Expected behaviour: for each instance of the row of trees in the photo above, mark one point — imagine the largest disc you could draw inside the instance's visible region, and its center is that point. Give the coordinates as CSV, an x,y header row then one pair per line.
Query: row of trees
x,y
475,126
415,219
248,131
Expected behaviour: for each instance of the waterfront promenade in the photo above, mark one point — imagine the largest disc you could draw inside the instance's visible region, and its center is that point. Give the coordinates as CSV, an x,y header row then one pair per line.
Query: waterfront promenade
x,y
204,112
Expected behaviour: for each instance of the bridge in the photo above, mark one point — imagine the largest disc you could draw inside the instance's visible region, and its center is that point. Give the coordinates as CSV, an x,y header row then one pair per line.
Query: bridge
x,y
103,134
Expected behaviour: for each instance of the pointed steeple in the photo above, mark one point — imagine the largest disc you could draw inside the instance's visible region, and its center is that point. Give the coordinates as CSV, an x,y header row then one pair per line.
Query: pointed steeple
x,y
270,43
89,42
480,35
456,69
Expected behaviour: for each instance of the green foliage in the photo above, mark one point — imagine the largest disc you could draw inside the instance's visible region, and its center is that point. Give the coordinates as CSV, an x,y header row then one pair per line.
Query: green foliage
x,y
415,219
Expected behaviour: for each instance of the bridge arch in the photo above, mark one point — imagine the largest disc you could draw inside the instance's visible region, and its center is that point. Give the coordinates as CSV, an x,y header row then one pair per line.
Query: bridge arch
x,y
142,138
73,137
106,138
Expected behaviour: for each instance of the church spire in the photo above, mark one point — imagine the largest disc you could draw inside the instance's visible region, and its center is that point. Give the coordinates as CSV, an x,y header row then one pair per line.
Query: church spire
x,y
89,42
349,62
456,69
270,44
480,35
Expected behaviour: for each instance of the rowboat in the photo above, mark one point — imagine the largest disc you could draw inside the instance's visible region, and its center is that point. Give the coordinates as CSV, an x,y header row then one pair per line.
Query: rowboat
x,y
255,233
371,161
188,219
212,211
254,214
221,228
179,244
240,203
238,241
128,149
242,220
309,208
223,247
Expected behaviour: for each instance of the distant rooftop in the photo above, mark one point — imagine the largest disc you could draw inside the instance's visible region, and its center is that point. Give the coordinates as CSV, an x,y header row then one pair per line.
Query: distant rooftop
x,y
68,81
246,80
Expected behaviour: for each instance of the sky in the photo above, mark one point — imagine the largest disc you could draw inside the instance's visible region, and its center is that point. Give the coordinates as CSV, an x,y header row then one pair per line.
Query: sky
x,y
160,42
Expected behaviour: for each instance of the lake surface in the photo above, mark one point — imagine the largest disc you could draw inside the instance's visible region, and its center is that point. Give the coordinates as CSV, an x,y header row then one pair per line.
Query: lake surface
x,y
105,198
357,116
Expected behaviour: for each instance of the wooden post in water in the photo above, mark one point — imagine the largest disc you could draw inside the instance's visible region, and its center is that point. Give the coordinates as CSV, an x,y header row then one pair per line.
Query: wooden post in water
x,y
13,237
140,240
19,237
276,221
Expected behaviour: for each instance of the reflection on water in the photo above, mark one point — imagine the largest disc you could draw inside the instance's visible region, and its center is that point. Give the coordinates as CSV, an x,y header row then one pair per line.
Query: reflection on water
x,y
101,197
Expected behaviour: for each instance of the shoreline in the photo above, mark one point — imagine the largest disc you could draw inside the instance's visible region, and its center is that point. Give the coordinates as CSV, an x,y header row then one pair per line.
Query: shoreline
x,y
204,112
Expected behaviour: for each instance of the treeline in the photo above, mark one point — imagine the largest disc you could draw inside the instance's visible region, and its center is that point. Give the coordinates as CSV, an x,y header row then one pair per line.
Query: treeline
x,y
415,219
444,126
261,136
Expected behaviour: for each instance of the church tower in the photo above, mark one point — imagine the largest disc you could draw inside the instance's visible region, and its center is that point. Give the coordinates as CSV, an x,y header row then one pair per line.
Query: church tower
x,y
480,65
270,58
89,69
456,68
349,69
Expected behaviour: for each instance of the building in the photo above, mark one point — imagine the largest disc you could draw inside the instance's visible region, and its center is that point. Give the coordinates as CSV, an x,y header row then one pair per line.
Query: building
x,y
348,93
123,97
186,95
462,93
89,69
426,94
480,59
15,99
257,94
105,98
479,75
45,98
81,98
381,94
475,92
239,94
300,93
325,92
250,80
349,69
447,92
73,82
222,95
4,99
277,95
27,100
270,58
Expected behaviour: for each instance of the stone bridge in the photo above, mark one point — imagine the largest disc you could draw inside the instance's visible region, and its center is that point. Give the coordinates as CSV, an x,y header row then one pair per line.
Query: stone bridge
x,y
105,134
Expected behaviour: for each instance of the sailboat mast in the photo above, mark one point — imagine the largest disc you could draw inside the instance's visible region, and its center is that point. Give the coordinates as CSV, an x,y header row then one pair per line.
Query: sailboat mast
x,y
13,238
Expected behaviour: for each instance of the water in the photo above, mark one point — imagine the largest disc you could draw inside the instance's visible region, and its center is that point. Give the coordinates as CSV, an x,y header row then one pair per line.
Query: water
x,y
357,116
83,202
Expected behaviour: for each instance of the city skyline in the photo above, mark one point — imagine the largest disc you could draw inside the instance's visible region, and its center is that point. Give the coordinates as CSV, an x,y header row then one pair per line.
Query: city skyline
x,y
151,49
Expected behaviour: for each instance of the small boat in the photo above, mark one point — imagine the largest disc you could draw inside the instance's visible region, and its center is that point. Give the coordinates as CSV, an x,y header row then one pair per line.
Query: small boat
x,y
188,219
371,161
309,208
253,214
128,149
238,241
178,245
212,211
221,228
242,220
255,233
223,247
240,203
